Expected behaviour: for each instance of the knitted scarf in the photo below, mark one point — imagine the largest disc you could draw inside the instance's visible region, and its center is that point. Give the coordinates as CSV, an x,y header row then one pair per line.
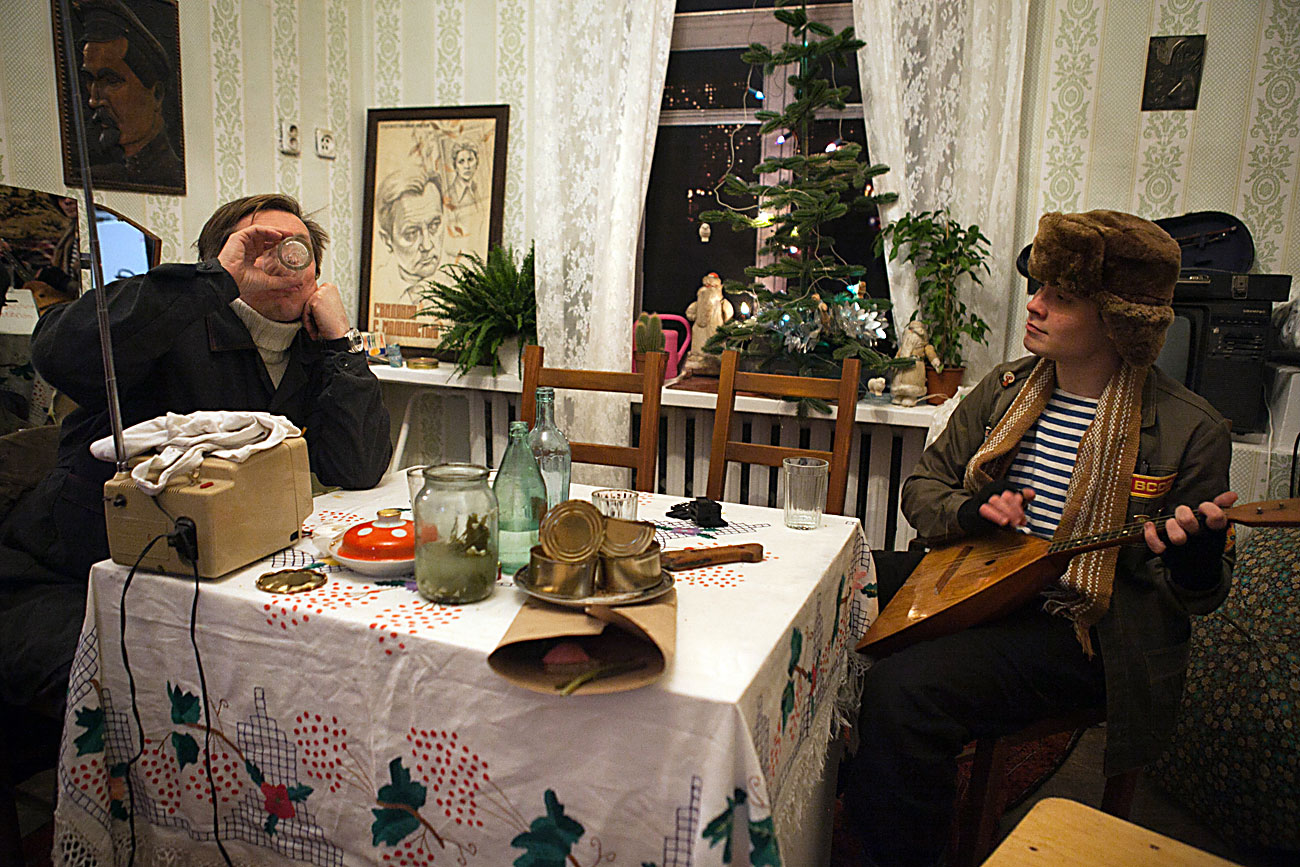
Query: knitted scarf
x,y
1098,494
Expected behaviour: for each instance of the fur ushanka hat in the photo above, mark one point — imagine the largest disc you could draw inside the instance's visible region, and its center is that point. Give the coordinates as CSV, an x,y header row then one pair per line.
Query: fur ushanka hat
x,y
1126,264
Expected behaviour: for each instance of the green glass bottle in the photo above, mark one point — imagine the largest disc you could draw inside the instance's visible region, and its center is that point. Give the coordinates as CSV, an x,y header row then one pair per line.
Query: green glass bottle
x,y
521,500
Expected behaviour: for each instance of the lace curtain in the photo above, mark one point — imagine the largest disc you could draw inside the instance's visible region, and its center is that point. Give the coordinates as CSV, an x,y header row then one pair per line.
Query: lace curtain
x,y
598,76
941,83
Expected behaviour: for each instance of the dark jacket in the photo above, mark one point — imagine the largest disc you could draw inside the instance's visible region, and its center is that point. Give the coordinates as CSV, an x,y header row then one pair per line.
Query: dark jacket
x,y
1144,635
178,347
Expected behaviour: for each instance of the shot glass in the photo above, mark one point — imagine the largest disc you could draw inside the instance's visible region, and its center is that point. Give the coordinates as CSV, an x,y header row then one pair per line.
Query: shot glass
x,y
615,503
805,491
415,481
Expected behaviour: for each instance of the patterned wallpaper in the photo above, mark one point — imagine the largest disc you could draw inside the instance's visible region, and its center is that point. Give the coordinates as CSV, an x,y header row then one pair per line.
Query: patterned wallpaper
x,y
248,64
1086,143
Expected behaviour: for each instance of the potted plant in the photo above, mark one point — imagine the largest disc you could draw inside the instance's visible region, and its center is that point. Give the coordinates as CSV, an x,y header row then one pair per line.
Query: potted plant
x,y
948,258
816,313
491,306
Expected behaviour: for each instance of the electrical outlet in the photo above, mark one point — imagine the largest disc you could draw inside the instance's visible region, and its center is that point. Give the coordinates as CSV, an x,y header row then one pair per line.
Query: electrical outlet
x,y
325,144
289,143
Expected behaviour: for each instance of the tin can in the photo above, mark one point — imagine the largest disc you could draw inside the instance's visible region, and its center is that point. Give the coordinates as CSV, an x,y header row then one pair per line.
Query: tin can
x,y
573,580
572,531
629,574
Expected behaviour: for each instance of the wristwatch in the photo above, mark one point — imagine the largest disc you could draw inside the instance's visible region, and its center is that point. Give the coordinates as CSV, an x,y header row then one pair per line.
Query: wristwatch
x,y
350,342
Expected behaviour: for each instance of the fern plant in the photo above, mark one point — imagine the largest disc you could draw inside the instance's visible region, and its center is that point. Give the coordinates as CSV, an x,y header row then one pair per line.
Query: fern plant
x,y
487,301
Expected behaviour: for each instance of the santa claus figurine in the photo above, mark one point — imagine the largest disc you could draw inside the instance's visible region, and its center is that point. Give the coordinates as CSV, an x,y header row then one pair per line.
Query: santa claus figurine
x,y
706,312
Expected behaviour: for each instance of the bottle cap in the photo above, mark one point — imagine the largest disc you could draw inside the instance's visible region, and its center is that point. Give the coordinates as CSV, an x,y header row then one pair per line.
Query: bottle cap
x,y
572,531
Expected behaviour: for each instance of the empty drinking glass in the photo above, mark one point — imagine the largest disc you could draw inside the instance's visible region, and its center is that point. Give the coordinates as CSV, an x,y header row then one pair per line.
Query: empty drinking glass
x,y
805,491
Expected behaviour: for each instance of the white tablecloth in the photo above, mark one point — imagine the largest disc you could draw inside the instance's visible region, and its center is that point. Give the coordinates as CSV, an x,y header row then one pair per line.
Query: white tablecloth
x,y
358,723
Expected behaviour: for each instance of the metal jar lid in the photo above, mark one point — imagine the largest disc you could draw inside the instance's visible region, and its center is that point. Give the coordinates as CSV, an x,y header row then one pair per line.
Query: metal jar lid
x,y
626,538
572,531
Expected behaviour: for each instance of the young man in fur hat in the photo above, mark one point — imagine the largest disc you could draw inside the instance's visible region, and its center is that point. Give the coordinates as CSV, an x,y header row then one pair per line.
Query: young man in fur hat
x,y
1081,436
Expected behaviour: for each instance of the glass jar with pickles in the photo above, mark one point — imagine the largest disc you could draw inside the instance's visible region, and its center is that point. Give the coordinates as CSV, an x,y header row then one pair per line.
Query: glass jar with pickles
x,y
455,534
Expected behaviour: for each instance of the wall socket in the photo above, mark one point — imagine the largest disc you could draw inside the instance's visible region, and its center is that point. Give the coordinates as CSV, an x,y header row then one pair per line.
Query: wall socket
x,y
289,143
325,144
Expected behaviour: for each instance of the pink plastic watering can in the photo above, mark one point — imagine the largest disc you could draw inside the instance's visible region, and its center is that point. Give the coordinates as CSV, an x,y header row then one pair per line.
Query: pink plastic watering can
x,y
675,344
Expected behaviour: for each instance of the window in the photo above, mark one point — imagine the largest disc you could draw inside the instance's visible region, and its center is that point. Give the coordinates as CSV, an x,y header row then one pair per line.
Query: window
x,y
707,129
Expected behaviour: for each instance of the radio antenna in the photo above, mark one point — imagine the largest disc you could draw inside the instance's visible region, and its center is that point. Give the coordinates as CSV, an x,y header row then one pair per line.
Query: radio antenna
x,y
92,232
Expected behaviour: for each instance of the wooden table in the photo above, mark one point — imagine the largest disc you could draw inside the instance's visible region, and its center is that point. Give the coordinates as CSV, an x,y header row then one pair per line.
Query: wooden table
x,y
1063,833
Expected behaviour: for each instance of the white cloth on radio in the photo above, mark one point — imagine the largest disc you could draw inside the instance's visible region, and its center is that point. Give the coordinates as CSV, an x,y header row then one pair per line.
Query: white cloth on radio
x,y
183,441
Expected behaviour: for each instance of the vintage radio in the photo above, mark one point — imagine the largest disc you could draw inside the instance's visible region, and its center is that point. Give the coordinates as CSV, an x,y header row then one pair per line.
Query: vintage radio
x,y
242,511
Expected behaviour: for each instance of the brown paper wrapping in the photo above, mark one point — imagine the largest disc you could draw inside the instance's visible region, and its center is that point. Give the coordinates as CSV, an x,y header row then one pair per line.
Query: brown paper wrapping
x,y
629,632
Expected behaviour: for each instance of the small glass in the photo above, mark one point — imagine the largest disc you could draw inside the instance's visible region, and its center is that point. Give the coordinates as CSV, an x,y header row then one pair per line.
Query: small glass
x,y
614,503
294,253
805,491
415,481
455,534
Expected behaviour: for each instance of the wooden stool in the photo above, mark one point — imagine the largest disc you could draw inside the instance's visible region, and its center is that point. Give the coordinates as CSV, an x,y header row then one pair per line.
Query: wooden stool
x,y
982,810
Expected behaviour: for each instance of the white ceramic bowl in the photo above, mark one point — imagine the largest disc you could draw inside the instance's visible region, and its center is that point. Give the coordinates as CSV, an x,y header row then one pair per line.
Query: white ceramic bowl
x,y
376,568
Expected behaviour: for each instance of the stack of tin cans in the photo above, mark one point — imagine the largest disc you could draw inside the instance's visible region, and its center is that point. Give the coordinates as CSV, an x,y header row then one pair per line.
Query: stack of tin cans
x,y
581,553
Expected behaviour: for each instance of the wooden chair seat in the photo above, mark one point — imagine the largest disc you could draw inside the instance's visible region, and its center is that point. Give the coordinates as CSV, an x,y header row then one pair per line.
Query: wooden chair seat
x,y
983,806
844,391
642,457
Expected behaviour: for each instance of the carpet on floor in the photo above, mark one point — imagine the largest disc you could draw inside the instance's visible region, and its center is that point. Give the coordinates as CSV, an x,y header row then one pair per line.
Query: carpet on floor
x,y
1028,767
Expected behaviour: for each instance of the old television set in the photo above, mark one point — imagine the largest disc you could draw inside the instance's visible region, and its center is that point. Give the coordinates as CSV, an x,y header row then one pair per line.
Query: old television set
x,y
1217,348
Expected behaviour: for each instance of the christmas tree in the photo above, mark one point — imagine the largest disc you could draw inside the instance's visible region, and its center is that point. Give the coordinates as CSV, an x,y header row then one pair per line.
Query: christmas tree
x,y
822,313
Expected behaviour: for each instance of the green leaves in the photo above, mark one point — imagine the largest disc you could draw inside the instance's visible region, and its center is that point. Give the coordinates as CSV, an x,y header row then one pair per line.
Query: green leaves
x,y
392,824
719,829
946,256
187,749
549,838
487,302
92,739
185,705
402,789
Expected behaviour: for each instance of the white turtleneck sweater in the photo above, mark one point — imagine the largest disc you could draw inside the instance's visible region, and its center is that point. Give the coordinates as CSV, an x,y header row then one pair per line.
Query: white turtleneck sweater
x,y
271,338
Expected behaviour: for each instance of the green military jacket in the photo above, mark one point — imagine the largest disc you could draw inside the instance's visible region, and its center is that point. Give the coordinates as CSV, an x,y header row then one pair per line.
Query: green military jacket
x,y
1183,457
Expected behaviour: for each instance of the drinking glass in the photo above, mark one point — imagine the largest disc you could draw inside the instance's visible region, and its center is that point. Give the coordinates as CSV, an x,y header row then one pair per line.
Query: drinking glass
x,y
415,481
805,491
615,503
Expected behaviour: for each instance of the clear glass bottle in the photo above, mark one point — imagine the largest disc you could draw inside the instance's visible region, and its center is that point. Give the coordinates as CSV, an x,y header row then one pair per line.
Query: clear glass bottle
x,y
551,448
455,534
521,497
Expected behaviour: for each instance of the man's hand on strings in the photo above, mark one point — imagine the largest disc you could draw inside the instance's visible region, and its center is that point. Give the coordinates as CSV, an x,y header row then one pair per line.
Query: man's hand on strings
x,y
1184,524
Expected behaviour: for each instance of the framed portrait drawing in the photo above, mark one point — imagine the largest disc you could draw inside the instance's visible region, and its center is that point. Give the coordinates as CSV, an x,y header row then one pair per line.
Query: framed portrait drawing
x,y
434,193
128,60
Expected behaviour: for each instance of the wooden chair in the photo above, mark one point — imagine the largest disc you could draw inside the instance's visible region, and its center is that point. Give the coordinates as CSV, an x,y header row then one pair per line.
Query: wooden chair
x,y
648,383
844,391
982,809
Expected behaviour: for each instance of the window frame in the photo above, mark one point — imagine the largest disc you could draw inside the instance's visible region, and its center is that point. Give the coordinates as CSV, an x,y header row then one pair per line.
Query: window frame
x,y
731,29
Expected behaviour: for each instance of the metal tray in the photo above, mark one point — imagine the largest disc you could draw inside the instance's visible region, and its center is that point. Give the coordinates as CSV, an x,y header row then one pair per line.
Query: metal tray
x,y
609,600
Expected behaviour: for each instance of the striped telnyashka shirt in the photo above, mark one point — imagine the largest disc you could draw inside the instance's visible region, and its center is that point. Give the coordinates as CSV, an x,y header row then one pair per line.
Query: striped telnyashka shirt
x,y
1046,458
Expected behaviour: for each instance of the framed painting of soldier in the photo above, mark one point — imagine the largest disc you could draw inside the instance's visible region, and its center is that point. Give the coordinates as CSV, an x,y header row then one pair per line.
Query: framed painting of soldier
x,y
434,194
129,69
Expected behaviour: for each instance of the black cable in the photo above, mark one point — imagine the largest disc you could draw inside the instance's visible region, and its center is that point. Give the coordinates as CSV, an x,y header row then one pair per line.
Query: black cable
x,y
207,720
130,681
1295,449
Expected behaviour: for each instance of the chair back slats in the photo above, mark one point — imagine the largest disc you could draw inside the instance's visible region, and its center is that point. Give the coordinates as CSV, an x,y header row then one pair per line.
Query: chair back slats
x,y
756,453
648,383
844,391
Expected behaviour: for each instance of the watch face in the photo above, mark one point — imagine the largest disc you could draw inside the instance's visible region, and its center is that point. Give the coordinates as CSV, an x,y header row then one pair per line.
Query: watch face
x,y
355,343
